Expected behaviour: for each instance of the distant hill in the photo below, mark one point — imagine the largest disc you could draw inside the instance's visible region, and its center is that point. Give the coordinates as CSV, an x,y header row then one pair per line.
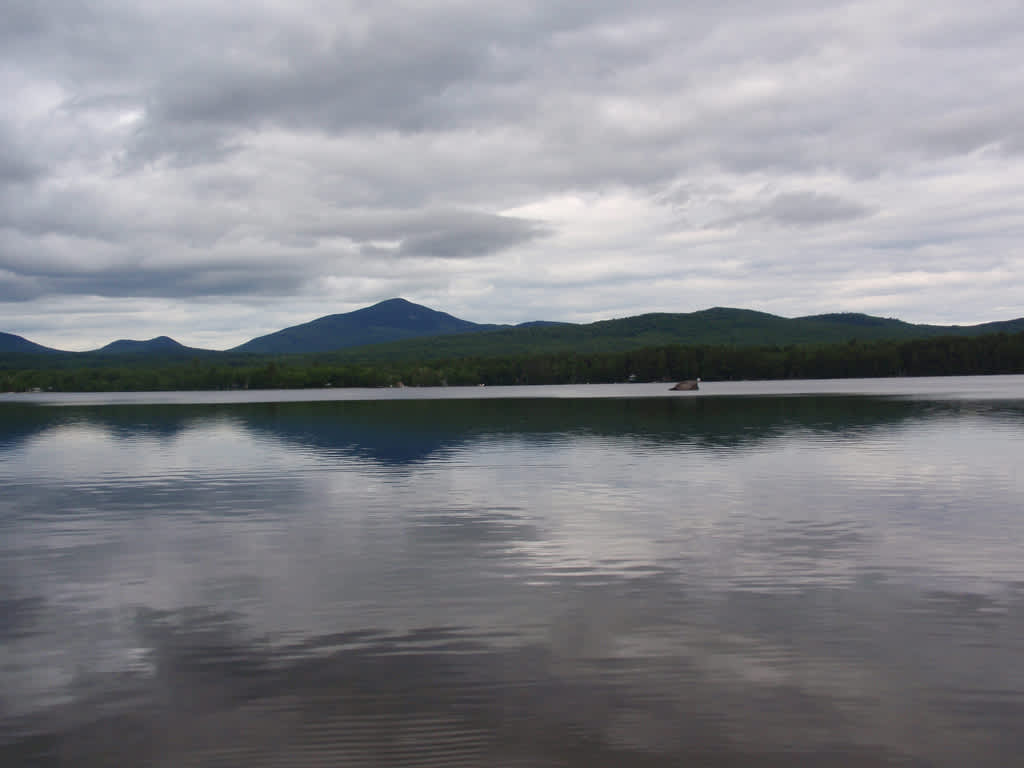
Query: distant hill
x,y
12,344
719,325
852,320
161,346
891,328
396,330
389,320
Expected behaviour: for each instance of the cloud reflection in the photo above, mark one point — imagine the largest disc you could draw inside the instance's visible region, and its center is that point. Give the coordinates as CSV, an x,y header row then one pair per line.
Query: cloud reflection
x,y
570,583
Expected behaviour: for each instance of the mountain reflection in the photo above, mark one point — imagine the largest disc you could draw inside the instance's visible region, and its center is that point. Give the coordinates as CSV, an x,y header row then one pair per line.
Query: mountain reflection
x,y
405,432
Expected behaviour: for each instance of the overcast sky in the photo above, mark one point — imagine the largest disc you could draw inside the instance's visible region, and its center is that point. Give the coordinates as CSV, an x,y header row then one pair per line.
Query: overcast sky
x,y
216,170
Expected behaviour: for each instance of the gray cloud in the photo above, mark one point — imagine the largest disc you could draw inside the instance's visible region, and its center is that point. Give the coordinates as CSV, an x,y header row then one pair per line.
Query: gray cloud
x,y
15,169
467,242
440,234
494,231
799,209
16,166
318,155
177,283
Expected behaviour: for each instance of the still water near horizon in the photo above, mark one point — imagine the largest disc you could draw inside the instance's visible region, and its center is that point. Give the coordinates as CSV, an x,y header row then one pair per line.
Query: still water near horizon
x,y
824,574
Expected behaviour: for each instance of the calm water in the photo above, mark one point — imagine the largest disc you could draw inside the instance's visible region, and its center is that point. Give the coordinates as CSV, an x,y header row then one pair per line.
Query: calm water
x,y
788,573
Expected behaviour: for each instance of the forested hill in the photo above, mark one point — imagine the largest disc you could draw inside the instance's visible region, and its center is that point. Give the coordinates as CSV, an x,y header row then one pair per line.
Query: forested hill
x,y
891,328
716,326
387,321
161,346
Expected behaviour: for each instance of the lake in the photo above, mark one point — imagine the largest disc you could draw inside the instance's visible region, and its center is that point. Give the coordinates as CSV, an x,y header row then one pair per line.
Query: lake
x,y
758,573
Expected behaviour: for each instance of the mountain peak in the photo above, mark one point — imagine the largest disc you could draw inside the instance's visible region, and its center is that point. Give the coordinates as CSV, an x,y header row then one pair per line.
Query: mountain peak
x,y
389,320
161,344
397,301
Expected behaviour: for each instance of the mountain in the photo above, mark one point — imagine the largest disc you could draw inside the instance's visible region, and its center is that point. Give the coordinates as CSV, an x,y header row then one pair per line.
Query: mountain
x,y
716,326
12,344
856,320
162,346
891,328
397,329
389,320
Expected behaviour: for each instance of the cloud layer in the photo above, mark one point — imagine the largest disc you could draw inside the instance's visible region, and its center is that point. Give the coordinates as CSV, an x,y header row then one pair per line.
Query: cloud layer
x,y
214,171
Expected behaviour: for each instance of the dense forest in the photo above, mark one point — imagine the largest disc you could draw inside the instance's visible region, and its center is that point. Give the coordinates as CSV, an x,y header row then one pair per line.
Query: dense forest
x,y
991,354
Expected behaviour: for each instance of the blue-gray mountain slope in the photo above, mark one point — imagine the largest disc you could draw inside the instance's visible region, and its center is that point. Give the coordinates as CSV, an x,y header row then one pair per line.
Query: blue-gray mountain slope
x,y
18,345
161,346
391,320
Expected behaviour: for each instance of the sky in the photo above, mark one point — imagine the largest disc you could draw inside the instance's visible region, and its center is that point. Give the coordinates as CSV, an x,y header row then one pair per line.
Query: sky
x,y
217,170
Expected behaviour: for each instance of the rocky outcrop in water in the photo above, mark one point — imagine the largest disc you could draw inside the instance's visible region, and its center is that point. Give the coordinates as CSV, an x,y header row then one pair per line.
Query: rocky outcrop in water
x,y
686,386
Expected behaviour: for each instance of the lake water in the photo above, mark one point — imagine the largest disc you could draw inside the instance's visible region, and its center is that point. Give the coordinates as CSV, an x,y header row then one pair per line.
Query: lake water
x,y
773,573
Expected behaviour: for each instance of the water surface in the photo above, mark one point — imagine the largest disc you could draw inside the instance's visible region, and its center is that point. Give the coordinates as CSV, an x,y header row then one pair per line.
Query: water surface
x,y
562,576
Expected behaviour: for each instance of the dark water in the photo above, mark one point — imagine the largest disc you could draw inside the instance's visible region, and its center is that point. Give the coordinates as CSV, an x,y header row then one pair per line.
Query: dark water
x,y
557,581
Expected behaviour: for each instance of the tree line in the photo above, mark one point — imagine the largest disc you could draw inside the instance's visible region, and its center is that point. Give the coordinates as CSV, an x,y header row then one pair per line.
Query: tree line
x,y
992,354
